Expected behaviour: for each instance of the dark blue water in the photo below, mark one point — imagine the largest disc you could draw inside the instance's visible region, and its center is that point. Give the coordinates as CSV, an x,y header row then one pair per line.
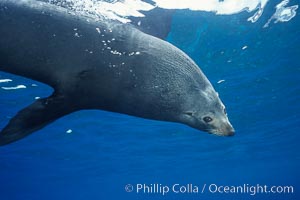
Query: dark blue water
x,y
107,151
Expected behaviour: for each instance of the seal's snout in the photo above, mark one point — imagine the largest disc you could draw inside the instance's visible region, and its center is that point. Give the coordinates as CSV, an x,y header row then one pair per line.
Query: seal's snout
x,y
225,129
229,131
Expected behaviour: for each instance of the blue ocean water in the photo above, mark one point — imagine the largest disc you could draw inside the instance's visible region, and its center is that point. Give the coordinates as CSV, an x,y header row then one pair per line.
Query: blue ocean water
x,y
256,71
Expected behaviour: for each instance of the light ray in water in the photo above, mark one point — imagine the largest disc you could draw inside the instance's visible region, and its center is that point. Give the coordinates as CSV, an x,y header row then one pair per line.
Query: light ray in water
x,y
14,88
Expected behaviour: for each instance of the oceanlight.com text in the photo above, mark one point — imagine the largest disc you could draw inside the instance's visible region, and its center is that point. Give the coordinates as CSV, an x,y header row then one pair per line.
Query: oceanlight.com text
x,y
164,189
250,189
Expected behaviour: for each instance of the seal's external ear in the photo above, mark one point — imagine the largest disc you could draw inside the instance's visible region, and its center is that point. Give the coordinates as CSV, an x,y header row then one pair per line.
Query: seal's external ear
x,y
190,113
35,117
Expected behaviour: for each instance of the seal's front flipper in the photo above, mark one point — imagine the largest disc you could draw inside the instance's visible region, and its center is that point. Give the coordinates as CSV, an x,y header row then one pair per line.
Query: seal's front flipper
x,y
34,117
157,22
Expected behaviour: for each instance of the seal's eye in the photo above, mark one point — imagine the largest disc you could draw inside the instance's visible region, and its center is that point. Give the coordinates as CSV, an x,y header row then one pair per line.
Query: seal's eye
x,y
225,111
207,119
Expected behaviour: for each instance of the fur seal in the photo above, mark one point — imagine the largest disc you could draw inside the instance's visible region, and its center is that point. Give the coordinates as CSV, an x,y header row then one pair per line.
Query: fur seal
x,y
100,64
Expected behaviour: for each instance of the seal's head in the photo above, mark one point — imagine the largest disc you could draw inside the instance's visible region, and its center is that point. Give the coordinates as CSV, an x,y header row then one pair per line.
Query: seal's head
x,y
206,112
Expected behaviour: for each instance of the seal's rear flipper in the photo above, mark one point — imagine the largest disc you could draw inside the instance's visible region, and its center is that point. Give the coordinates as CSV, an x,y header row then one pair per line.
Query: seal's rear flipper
x,y
34,117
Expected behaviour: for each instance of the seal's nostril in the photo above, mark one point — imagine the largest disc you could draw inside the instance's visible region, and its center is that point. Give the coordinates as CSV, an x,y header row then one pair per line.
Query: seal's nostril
x,y
230,133
229,130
